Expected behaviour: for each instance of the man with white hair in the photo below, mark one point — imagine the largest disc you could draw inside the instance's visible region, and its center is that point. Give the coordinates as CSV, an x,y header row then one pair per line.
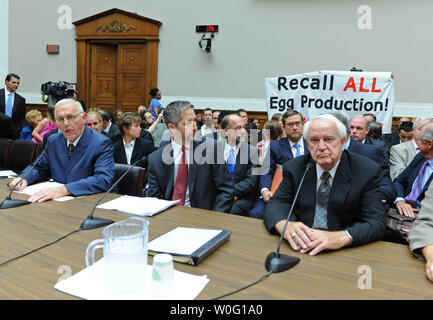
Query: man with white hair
x,y
79,158
339,203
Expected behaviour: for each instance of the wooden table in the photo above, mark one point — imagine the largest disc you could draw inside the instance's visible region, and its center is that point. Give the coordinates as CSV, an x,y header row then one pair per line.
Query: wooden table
x,y
395,273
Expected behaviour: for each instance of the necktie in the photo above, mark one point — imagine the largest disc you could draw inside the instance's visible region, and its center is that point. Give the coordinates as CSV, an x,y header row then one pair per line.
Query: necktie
x,y
298,150
231,162
70,150
321,216
181,180
417,186
9,105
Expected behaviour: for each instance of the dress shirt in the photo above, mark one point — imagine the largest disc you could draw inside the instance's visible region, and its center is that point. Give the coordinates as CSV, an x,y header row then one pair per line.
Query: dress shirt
x,y
75,142
129,147
293,148
416,147
107,128
6,100
319,171
205,130
227,151
177,158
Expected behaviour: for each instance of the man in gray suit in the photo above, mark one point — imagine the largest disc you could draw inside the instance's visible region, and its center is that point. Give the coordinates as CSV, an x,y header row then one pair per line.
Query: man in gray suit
x,y
403,153
421,233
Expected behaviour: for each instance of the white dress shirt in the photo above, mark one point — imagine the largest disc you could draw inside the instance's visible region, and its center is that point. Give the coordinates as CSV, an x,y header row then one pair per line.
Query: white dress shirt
x,y
177,158
301,147
319,171
129,147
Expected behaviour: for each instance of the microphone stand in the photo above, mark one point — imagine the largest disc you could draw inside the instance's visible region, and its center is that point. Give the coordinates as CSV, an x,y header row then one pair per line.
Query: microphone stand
x,y
12,203
93,222
275,261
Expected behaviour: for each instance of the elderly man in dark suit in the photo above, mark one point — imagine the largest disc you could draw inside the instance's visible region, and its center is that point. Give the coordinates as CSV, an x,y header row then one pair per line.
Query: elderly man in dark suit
x,y
339,203
186,169
13,105
79,158
242,162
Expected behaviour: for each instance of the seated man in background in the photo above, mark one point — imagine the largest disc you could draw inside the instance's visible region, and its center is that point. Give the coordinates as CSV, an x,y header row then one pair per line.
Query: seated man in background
x,y
109,127
403,153
78,157
131,148
345,207
421,233
241,159
412,183
186,169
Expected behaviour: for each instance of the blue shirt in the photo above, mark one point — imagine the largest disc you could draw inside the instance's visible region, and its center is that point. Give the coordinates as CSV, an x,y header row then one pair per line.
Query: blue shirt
x,y
26,133
155,103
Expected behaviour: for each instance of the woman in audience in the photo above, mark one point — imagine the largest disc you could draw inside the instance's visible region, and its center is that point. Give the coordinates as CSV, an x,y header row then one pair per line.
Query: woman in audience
x,y
94,120
46,125
278,117
131,148
33,117
271,131
155,107
117,115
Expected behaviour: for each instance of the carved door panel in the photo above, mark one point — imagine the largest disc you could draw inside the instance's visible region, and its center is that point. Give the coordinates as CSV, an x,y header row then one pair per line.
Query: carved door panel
x,y
104,77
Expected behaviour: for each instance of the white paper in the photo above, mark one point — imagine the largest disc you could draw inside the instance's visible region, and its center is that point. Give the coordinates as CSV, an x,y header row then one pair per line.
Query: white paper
x,y
7,173
182,241
32,189
91,284
141,206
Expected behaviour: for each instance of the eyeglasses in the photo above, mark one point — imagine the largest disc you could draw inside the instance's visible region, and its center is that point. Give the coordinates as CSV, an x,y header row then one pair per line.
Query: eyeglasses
x,y
69,117
292,124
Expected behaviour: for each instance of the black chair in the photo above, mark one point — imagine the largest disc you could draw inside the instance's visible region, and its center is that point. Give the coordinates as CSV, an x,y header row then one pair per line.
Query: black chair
x,y
5,146
21,154
133,183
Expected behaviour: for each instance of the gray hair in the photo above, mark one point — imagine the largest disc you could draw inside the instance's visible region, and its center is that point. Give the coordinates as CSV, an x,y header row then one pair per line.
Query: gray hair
x,y
68,101
427,133
173,110
421,119
341,129
343,120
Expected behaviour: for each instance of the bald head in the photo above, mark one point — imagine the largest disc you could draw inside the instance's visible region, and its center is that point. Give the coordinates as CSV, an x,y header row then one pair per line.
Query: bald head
x,y
359,128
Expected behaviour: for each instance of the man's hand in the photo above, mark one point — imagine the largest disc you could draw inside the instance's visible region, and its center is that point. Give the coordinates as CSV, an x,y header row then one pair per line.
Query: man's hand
x,y
20,186
304,239
428,255
49,194
267,195
405,209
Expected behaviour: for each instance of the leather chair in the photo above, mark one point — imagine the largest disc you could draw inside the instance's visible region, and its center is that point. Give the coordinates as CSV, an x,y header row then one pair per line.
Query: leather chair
x,y
21,154
133,183
5,146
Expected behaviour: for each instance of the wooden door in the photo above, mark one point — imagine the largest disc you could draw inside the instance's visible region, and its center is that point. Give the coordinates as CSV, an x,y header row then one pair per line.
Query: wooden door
x,y
118,76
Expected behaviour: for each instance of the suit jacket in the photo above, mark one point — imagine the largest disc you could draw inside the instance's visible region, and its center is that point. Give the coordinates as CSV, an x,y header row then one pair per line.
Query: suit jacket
x,y
354,200
245,178
7,128
210,184
421,231
391,139
142,148
114,133
18,111
400,156
404,181
379,144
375,153
90,169
279,153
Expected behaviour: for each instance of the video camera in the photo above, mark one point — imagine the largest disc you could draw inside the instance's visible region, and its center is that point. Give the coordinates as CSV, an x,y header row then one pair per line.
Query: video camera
x,y
57,91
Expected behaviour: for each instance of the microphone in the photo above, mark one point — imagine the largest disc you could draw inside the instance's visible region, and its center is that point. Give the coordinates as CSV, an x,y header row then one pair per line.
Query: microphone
x,y
276,262
12,203
93,222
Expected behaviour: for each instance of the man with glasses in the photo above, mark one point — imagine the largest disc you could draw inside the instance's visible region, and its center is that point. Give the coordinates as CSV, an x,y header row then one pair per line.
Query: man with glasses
x,y
281,151
78,157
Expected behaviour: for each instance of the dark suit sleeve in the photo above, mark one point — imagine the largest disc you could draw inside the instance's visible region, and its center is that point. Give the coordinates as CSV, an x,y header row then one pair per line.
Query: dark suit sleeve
x,y
224,188
278,206
266,179
153,189
371,225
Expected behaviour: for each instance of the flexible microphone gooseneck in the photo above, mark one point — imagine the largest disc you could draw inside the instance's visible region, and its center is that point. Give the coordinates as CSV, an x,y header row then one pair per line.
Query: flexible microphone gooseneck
x,y
276,262
12,203
94,222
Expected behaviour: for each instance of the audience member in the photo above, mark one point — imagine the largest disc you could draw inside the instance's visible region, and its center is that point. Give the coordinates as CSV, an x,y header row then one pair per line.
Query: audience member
x,y
94,121
33,117
117,115
243,114
46,125
369,117
391,139
421,233
78,157
159,130
174,169
412,183
271,131
360,129
132,147
241,158
199,119
281,151
141,108
403,153
155,107
12,105
208,125
215,116
346,209
374,130
279,117
109,127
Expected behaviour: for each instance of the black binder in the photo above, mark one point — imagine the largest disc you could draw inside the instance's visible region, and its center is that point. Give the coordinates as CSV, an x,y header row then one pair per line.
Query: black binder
x,y
201,253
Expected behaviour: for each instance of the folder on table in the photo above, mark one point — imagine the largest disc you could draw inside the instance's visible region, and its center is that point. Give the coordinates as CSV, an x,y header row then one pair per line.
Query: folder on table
x,y
189,245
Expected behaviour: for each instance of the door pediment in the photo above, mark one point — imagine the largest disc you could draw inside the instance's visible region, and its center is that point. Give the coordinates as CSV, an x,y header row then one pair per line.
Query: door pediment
x,y
117,24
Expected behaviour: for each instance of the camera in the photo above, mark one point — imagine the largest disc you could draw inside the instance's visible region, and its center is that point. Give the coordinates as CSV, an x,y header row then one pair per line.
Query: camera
x,y
57,90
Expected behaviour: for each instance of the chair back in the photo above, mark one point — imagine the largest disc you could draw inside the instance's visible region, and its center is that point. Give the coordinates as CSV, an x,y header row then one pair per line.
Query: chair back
x,y
21,154
133,183
5,146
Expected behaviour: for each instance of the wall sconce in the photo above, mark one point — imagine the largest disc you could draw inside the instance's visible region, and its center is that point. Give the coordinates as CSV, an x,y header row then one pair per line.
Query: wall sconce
x,y
205,43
